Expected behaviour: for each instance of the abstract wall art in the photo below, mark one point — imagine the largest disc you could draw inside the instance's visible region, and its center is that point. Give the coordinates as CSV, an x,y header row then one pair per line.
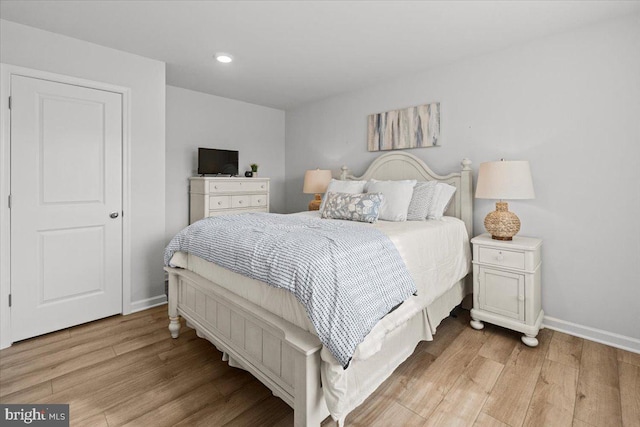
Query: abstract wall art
x,y
413,127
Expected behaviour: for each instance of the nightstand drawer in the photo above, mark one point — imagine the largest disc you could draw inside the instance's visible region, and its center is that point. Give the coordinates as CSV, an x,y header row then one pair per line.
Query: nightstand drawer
x,y
219,202
501,257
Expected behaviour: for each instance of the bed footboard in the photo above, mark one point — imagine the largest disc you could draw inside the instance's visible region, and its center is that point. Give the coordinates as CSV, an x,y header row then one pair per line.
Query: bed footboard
x,y
281,355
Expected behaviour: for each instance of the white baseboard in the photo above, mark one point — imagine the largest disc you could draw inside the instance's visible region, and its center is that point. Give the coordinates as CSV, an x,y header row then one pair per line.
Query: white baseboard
x,y
593,334
144,304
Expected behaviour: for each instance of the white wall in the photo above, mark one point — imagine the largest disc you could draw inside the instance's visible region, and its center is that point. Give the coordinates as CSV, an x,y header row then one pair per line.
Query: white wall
x,y
196,119
33,48
570,104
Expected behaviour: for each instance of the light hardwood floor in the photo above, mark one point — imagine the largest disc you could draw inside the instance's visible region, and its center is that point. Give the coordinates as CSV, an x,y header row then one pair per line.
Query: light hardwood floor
x,y
128,371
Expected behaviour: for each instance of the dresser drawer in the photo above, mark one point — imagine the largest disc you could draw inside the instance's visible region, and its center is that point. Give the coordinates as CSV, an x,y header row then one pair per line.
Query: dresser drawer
x,y
237,186
219,202
240,201
259,200
501,257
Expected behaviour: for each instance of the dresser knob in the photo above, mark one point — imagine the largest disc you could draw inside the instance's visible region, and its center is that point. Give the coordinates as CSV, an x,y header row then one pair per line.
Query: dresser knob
x,y
240,201
219,203
215,186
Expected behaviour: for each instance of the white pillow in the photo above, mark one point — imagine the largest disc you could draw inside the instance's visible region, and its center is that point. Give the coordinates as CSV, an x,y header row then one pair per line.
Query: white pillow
x,y
339,186
441,199
397,196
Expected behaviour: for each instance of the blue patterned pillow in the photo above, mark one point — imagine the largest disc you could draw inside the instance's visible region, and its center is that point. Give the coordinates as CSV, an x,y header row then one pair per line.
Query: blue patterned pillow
x,y
363,207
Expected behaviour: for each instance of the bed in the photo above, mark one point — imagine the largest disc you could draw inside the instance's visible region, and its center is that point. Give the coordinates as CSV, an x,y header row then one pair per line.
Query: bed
x,y
262,329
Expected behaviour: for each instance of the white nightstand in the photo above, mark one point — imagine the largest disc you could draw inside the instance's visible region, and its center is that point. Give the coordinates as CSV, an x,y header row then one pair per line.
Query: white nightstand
x,y
506,285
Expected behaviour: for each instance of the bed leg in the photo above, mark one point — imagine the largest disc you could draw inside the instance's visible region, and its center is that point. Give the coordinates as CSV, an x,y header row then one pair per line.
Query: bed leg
x,y
174,319
309,408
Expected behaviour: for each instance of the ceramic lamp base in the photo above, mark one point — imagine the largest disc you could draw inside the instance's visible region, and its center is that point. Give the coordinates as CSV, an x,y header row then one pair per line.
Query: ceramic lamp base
x,y
314,205
502,224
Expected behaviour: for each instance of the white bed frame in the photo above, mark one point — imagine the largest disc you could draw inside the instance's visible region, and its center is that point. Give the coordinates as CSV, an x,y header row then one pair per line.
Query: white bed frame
x,y
281,355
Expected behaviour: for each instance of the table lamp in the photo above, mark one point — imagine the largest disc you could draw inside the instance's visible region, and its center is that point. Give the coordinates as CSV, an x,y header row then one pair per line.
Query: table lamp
x,y
504,180
316,182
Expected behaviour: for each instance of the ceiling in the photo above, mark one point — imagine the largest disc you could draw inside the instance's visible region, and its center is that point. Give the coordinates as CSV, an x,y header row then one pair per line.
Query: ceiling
x,y
288,53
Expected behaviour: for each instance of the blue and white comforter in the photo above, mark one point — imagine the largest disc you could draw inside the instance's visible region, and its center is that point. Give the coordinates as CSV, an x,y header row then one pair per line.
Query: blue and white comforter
x,y
347,276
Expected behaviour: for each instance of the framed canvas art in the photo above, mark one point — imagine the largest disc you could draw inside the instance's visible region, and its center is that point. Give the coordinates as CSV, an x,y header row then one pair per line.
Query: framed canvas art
x,y
412,127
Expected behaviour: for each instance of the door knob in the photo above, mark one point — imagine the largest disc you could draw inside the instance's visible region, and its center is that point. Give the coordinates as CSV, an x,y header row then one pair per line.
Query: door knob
x,y
113,214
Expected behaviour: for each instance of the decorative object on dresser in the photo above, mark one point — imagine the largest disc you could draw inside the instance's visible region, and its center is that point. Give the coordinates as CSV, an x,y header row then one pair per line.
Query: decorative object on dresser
x,y
221,196
412,127
504,180
506,285
254,169
316,182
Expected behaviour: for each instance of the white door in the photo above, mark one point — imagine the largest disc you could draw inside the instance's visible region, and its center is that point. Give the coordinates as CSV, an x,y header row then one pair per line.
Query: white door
x,y
66,202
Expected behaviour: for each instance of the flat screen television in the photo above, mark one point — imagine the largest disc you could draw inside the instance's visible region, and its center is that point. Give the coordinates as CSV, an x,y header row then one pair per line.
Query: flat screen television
x,y
212,161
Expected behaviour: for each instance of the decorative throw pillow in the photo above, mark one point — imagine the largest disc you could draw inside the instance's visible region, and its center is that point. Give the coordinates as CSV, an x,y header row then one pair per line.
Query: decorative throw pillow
x,y
397,196
421,200
363,207
339,186
441,199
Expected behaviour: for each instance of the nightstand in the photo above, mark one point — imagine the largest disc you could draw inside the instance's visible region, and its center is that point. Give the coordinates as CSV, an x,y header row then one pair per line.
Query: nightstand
x,y
506,285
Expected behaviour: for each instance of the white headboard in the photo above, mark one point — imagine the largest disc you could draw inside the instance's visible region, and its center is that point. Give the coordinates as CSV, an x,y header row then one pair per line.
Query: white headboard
x,y
400,165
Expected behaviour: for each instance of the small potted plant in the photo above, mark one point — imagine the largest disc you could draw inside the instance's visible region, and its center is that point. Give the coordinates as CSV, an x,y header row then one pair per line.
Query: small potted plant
x,y
254,169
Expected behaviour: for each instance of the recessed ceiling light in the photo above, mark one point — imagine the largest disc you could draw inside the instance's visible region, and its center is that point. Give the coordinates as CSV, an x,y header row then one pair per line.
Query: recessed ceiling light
x,y
225,58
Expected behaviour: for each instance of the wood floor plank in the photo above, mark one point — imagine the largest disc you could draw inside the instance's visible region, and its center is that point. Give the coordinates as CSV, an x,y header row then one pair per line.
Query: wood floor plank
x,y
462,404
29,394
50,372
430,387
448,331
226,408
500,343
97,420
510,397
118,363
149,400
268,411
32,343
628,357
404,377
579,423
88,399
78,343
629,394
72,350
485,420
598,394
554,397
565,349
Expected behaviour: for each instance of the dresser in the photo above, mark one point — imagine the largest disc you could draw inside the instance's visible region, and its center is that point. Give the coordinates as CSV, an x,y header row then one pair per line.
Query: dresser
x,y
223,196
506,285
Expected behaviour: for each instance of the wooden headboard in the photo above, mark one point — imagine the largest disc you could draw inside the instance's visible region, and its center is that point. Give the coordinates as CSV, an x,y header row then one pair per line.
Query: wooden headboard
x,y
400,165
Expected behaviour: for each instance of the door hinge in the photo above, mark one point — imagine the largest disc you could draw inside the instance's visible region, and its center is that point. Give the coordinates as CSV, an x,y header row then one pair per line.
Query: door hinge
x,y
9,103
9,300
9,202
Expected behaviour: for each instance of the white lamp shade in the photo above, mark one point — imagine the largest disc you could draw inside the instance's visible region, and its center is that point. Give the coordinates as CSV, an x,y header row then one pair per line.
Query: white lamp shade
x,y
316,181
505,180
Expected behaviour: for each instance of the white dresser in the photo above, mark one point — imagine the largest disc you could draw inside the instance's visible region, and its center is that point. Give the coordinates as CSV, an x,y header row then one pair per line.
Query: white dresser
x,y
223,196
